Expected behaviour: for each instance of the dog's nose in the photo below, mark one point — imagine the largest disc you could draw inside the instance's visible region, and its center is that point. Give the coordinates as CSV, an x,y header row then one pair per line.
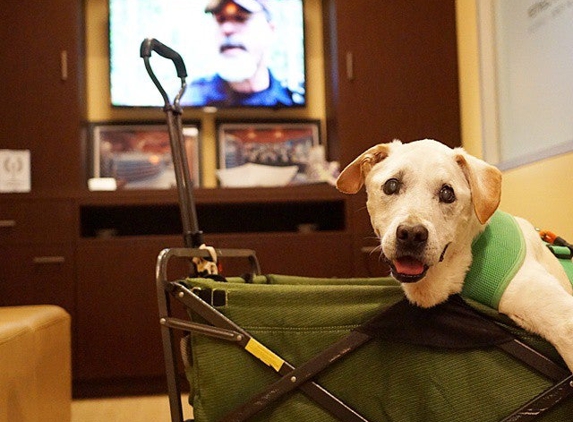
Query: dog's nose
x,y
411,237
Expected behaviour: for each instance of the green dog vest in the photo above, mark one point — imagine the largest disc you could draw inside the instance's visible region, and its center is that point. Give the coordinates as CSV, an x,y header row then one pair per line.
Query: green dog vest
x,y
498,253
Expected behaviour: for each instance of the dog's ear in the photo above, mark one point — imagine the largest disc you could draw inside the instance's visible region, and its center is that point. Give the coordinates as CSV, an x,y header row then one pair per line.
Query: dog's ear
x,y
485,184
352,177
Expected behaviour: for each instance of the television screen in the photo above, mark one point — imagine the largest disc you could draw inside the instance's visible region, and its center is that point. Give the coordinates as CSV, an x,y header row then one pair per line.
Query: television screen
x,y
241,53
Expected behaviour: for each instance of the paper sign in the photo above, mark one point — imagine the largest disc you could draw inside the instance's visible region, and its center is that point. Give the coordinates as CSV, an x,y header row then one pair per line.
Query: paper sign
x,y
15,174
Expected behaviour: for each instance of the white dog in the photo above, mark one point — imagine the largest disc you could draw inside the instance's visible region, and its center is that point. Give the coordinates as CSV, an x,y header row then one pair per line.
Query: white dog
x,y
427,204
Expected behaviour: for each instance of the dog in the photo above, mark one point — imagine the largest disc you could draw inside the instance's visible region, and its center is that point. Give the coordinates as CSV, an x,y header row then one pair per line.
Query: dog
x,y
427,204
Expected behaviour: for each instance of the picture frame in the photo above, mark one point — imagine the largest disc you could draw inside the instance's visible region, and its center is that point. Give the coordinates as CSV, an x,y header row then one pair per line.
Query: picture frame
x,y
269,148
138,155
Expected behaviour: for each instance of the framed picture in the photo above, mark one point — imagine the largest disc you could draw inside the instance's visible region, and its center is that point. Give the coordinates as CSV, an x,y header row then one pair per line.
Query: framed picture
x,y
138,156
265,153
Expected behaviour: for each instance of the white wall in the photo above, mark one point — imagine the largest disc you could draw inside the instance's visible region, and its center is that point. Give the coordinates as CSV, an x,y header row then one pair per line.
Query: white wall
x,y
541,192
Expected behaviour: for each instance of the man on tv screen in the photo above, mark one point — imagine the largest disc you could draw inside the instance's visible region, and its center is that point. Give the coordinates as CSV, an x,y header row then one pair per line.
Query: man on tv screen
x,y
243,78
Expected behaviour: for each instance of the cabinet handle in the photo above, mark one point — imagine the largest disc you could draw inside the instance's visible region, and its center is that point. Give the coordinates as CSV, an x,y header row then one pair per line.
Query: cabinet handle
x,y
7,223
349,66
64,65
45,260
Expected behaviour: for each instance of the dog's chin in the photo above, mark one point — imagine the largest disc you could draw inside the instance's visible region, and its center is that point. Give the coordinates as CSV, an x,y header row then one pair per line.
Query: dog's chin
x,y
408,269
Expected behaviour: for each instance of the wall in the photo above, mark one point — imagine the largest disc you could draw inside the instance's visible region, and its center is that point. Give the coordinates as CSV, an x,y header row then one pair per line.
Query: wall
x,y
97,81
540,192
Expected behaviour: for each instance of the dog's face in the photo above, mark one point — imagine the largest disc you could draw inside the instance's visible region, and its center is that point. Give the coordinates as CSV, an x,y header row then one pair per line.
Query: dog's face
x,y
423,200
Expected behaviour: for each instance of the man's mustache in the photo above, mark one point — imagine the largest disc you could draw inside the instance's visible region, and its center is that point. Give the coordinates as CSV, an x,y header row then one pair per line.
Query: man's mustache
x,y
229,44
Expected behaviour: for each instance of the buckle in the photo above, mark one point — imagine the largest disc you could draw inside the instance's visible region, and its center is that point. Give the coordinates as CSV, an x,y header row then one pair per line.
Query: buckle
x,y
561,252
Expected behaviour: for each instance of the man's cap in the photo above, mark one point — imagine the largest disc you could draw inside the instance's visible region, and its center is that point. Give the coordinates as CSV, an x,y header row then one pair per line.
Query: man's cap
x,y
252,6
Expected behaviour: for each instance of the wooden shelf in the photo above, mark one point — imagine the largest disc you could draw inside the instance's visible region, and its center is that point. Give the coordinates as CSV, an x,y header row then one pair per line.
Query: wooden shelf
x,y
296,209
299,193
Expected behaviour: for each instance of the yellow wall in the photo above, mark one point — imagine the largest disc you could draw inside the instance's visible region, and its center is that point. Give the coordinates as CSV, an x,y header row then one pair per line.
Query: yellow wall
x,y
98,100
540,192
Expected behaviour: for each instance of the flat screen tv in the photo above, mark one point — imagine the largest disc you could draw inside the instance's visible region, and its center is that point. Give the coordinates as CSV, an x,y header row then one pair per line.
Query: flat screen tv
x,y
211,44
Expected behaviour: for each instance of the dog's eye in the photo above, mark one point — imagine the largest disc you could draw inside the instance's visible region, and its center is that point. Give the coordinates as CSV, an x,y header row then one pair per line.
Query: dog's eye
x,y
447,194
391,186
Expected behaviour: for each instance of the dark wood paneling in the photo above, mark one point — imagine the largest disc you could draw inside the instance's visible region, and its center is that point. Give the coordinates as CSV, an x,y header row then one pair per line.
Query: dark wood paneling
x,y
404,80
41,111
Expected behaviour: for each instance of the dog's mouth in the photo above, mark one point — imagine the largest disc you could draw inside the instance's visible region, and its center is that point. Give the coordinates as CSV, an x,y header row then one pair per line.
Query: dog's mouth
x,y
408,269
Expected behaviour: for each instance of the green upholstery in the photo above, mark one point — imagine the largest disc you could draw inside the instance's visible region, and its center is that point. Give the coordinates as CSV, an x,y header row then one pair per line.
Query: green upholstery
x,y
384,381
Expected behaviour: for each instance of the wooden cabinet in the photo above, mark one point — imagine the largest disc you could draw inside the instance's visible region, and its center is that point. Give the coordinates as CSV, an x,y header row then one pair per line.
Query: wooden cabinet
x,y
32,221
295,230
41,89
44,274
320,254
117,319
118,349
391,73
41,109
37,253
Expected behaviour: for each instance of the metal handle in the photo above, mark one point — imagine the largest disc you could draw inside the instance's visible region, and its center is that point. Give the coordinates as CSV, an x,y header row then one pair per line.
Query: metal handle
x,y
7,223
151,44
45,260
192,236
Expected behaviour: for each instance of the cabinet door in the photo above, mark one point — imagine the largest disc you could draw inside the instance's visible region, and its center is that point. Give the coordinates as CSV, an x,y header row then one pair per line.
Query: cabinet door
x,y
117,322
35,275
40,108
33,221
316,254
391,73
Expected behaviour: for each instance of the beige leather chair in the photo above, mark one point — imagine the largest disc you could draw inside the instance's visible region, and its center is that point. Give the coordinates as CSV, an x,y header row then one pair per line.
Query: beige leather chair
x,y
35,364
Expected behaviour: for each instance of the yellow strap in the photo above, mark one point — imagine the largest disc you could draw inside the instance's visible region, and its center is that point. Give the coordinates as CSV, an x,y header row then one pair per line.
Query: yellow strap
x,y
261,352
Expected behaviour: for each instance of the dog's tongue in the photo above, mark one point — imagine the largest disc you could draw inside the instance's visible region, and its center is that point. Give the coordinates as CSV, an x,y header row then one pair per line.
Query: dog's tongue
x,y
409,266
